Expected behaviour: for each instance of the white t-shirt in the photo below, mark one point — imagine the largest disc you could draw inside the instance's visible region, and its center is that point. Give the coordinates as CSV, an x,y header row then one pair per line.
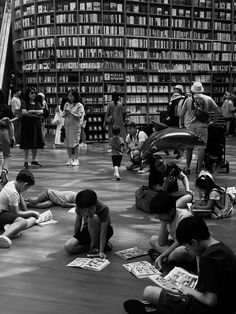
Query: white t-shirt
x,y
15,104
133,141
9,196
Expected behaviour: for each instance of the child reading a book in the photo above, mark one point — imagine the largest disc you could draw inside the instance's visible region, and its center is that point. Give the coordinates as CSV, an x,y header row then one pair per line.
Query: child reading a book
x,y
117,146
165,247
51,198
215,289
216,200
92,228
14,216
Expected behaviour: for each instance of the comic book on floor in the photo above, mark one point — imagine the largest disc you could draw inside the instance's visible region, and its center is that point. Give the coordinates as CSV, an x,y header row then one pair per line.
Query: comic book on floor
x,y
141,269
46,218
175,279
131,253
95,264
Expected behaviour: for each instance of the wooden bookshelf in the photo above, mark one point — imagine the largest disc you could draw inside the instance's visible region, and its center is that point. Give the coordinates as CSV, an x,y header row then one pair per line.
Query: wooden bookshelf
x,y
139,48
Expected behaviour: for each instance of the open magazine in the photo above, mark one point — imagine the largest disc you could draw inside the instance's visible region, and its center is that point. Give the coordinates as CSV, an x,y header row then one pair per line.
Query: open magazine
x,y
46,218
141,269
95,264
175,279
131,253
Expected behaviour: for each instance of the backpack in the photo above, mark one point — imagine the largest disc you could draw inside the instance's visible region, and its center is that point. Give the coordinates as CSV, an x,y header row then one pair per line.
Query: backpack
x,y
228,204
199,106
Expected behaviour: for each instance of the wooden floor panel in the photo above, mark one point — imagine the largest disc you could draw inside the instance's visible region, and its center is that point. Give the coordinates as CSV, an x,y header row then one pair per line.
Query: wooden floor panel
x,y
34,278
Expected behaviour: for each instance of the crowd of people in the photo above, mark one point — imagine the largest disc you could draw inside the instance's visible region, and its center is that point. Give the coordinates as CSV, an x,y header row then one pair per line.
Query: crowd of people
x,y
183,240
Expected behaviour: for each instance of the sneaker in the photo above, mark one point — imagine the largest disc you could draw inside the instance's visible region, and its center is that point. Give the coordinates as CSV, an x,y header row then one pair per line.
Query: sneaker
x,y
69,162
93,253
16,235
153,254
26,165
142,171
75,162
5,242
117,177
109,150
139,307
36,164
108,247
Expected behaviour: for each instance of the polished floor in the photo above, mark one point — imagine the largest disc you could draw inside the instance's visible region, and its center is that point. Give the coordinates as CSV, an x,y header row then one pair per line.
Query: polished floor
x,y
33,274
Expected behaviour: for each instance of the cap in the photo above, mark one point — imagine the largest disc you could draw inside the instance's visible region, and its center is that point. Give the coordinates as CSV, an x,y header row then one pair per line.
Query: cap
x,y
41,94
179,87
197,88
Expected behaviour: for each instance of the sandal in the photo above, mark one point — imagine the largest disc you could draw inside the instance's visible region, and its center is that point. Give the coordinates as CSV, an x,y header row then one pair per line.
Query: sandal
x,y
4,179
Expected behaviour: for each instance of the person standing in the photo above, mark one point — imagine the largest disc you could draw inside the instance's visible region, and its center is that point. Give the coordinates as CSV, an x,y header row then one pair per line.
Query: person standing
x,y
193,124
227,111
6,137
73,113
31,132
117,148
115,116
42,99
15,105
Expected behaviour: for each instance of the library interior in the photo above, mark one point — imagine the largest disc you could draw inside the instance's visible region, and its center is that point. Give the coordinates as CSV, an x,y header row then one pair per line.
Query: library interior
x,y
112,86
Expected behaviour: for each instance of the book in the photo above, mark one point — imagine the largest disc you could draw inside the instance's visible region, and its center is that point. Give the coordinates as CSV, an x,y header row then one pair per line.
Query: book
x,y
95,264
142,269
131,253
175,279
46,218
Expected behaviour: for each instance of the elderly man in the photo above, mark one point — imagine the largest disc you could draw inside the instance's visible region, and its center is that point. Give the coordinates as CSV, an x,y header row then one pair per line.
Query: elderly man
x,y
199,128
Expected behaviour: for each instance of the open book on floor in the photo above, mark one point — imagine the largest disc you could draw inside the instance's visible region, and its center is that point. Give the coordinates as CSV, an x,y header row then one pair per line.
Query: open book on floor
x,y
141,269
95,264
175,279
131,253
46,218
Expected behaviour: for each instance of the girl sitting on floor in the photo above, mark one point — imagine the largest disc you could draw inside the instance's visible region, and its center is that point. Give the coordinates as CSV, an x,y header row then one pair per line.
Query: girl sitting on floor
x,y
216,199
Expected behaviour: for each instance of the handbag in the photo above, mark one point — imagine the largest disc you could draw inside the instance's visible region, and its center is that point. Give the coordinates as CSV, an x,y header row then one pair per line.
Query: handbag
x,y
143,198
56,119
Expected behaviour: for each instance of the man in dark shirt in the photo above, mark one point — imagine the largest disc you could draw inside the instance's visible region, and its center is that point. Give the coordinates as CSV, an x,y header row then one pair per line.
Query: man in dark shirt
x,y
215,290
164,176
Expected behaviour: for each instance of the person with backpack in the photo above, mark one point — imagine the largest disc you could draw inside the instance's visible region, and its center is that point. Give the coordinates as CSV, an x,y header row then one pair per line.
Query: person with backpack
x,y
199,107
216,199
176,100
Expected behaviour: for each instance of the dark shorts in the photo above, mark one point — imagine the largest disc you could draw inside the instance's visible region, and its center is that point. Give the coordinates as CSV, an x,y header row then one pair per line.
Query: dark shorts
x,y
116,160
84,237
6,218
170,303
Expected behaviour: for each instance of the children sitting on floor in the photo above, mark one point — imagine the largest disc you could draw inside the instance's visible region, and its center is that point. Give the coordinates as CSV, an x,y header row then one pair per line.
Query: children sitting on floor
x,y
214,199
165,247
14,216
92,228
51,198
215,289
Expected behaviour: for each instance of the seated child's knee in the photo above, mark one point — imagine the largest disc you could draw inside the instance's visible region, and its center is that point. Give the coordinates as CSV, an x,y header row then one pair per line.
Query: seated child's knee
x,y
153,240
147,291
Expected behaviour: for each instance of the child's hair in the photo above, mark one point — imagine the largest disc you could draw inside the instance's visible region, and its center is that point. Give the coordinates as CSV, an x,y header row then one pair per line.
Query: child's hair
x,y
163,203
206,183
192,228
115,129
25,176
85,199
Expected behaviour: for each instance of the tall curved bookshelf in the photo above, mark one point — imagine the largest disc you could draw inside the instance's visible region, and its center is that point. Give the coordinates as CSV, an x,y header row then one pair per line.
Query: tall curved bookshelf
x,y
139,48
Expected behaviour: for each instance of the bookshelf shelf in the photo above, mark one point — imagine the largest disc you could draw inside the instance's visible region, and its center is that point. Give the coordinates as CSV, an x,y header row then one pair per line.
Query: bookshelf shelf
x,y
139,48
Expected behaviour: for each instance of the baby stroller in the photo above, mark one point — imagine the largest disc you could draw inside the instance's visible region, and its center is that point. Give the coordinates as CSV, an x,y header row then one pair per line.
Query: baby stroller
x,y
215,148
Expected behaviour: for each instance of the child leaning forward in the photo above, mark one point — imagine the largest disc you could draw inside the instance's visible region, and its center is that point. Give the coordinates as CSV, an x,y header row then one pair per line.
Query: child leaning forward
x,y
92,228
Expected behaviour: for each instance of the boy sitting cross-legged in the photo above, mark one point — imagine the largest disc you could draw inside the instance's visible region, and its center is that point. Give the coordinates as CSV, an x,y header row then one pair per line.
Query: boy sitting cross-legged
x,y
92,228
14,216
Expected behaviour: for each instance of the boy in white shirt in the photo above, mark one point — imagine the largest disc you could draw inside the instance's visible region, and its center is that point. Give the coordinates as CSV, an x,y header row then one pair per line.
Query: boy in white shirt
x,y
14,216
